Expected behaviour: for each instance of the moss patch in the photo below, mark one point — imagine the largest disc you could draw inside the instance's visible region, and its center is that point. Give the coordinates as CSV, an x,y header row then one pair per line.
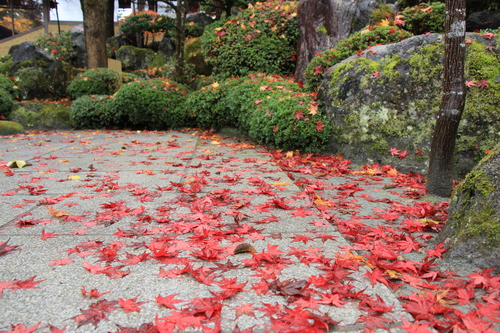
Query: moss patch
x,y
42,116
10,127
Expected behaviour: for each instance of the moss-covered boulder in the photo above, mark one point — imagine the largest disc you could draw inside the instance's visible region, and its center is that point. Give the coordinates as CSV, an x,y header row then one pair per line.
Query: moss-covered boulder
x,y
10,127
134,58
472,232
42,116
388,97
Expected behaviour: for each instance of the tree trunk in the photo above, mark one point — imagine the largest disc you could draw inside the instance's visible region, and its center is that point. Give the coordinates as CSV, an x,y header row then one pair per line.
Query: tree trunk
x,y
180,38
442,157
110,19
94,24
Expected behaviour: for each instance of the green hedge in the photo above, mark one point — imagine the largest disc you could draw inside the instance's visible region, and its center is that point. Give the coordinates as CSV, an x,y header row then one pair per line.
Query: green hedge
x,y
271,110
98,81
153,104
89,112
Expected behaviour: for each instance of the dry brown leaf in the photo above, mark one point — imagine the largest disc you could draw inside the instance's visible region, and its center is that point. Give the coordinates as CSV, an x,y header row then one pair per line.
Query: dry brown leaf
x,y
244,248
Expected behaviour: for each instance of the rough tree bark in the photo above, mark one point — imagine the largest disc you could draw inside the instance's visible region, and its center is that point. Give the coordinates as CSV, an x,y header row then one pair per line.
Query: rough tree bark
x,y
439,180
94,24
110,19
180,8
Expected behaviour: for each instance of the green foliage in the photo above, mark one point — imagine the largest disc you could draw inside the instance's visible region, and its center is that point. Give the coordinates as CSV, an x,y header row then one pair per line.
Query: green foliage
x,y
208,107
384,12
147,22
5,64
153,104
6,103
59,45
359,41
262,38
43,79
93,112
42,115
425,18
98,81
7,85
193,30
271,110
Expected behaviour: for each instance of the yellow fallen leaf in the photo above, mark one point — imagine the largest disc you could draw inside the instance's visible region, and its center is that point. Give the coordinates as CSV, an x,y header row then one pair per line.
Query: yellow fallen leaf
x,y
281,184
289,154
16,164
63,161
215,142
74,177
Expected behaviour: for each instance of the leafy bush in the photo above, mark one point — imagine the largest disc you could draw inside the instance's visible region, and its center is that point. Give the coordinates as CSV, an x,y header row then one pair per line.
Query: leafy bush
x,y
154,104
8,85
425,18
42,115
149,21
357,42
43,79
208,108
93,112
272,110
59,45
383,12
6,103
262,38
99,81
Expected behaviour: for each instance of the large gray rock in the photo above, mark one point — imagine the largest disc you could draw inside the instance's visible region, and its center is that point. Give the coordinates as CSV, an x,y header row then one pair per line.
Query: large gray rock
x,y
472,232
134,58
200,19
323,23
485,19
78,37
166,48
28,51
388,97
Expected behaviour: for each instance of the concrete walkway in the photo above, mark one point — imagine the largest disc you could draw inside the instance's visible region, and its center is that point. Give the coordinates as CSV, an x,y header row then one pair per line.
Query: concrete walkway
x,y
150,222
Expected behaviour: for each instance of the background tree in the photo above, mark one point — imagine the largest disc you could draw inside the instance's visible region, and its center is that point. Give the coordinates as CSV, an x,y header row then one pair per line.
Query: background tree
x,y
442,157
94,24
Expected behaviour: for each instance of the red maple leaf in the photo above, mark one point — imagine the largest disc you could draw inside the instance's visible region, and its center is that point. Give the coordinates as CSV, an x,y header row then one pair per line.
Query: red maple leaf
x,y
21,328
245,309
92,293
320,126
28,284
482,84
130,305
5,249
168,301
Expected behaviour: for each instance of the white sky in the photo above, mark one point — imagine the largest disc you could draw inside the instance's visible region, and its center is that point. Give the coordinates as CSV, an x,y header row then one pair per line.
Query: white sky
x,y
70,10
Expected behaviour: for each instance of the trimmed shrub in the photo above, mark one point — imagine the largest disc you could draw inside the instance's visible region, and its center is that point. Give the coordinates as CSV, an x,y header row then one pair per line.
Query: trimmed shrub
x,y
98,81
152,104
208,108
357,42
271,110
89,112
424,18
6,104
262,38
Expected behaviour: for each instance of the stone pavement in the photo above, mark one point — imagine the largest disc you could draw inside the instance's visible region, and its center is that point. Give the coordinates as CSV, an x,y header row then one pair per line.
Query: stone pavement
x,y
140,216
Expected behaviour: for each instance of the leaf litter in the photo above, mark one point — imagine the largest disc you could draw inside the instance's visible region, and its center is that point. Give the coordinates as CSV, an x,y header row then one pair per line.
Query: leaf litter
x,y
208,224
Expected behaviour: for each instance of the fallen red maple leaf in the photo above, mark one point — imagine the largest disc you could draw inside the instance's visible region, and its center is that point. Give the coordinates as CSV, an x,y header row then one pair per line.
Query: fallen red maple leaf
x,y
130,305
